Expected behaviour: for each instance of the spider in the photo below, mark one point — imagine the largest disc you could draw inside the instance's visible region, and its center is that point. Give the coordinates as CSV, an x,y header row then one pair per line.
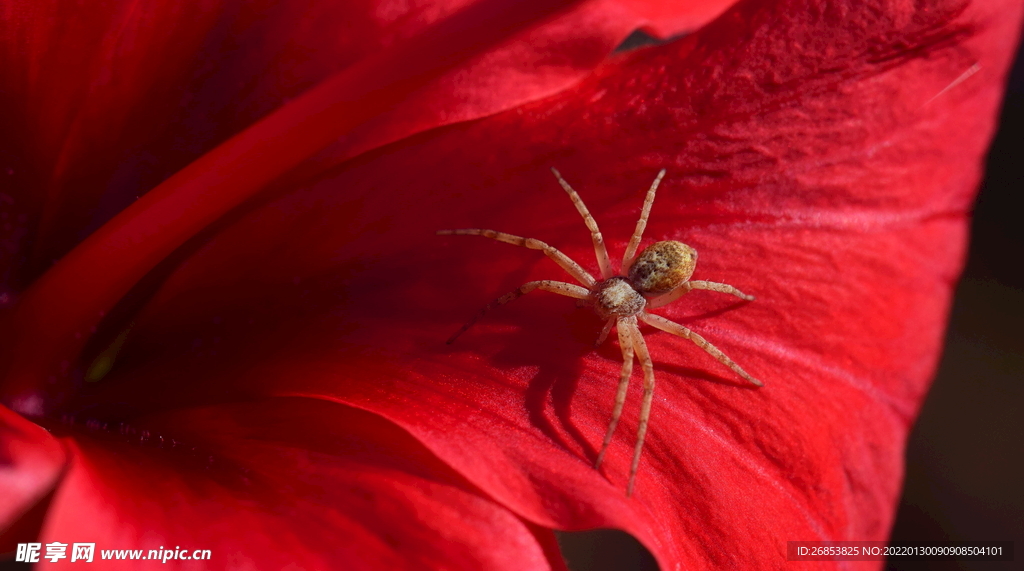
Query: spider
x,y
656,277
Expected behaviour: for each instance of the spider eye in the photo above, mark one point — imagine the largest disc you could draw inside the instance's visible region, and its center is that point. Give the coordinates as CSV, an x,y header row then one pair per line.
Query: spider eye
x,y
662,267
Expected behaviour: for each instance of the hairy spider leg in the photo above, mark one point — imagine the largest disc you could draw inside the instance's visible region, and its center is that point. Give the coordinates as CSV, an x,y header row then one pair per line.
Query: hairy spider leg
x,y
686,287
600,250
645,405
559,258
605,331
561,288
641,225
677,329
626,344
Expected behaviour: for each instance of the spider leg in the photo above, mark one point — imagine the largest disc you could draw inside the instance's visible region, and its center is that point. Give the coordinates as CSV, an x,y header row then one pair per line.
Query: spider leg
x,y
645,405
605,331
562,288
641,224
686,287
626,344
677,329
595,234
559,258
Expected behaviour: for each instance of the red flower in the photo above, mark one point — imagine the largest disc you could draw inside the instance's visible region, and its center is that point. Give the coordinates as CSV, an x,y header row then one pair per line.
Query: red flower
x,y
275,311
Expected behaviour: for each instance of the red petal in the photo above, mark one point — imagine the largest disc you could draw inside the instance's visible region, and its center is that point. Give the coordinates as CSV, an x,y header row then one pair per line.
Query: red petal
x,y
31,462
477,60
284,483
103,101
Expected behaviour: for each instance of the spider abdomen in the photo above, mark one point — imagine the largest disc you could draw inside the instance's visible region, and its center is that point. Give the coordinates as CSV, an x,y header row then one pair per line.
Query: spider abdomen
x,y
615,297
662,267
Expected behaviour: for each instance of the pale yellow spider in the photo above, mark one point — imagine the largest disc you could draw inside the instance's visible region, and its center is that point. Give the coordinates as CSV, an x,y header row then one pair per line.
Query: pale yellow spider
x,y
656,277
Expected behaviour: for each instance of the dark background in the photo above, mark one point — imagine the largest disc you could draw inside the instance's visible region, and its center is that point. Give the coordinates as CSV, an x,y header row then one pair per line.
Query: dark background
x,y
965,467
965,458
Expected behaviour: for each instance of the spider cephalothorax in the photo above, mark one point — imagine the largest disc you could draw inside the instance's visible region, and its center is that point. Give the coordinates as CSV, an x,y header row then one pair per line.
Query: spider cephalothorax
x,y
659,275
617,297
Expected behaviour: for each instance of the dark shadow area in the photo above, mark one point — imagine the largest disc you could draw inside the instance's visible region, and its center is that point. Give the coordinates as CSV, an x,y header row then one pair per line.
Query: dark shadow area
x,y
964,461
604,550
641,39
638,39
